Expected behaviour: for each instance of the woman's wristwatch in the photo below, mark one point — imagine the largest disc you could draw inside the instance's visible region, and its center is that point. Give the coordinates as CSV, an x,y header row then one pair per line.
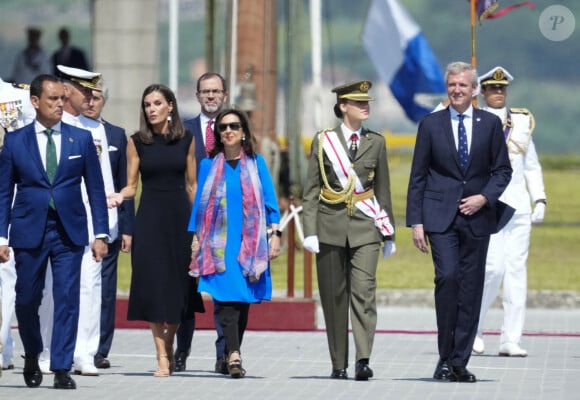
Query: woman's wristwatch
x,y
277,232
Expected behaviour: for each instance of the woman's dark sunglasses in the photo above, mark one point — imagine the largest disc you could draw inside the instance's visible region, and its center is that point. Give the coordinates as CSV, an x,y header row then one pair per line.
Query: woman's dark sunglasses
x,y
234,126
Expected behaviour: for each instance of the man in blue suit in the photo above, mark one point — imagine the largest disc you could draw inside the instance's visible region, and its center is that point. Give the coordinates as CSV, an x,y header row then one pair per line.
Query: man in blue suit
x,y
46,161
460,168
212,95
117,143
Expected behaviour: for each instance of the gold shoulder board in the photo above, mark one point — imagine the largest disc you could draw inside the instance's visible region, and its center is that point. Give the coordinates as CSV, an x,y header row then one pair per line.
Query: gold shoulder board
x,y
21,86
527,112
520,111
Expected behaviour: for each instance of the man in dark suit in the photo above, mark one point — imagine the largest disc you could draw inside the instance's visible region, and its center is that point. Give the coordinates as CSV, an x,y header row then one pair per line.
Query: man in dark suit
x,y
347,218
117,143
211,92
460,168
46,161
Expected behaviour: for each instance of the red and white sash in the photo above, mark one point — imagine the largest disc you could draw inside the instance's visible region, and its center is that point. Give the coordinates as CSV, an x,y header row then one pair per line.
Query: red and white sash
x,y
343,169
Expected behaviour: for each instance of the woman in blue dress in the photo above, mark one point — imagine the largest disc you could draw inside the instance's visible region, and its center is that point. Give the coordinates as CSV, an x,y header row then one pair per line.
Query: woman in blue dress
x,y
234,204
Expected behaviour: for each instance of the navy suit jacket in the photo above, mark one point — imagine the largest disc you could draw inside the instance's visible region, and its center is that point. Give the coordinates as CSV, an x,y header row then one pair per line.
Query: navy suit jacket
x,y
437,184
21,165
117,141
194,126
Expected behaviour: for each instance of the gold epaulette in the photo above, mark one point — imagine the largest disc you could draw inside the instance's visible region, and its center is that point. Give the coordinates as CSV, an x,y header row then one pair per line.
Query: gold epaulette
x,y
527,112
21,86
520,111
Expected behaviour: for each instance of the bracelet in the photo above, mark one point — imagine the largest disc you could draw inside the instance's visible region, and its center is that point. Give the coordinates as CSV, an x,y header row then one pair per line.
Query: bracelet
x,y
277,232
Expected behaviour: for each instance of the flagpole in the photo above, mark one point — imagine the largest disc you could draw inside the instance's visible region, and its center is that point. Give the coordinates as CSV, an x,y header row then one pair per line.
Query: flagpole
x,y
473,53
473,23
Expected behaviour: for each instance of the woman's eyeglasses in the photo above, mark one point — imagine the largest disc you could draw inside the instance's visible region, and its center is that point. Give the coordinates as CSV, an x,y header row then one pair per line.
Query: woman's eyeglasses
x,y
234,126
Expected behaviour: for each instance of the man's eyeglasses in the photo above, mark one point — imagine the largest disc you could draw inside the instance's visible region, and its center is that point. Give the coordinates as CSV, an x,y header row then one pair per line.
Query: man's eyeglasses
x,y
214,92
234,126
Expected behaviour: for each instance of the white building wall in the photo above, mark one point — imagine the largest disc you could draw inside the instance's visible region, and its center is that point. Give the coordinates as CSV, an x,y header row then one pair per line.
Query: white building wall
x,y
126,52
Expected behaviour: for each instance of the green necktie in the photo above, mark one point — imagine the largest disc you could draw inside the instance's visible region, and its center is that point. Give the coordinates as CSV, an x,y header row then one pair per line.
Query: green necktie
x,y
51,162
50,155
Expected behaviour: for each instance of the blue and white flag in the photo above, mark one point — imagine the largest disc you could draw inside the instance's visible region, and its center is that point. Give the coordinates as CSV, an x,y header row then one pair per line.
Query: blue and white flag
x,y
402,56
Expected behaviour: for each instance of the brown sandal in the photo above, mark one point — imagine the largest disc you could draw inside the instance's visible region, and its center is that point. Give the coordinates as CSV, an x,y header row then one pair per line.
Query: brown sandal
x,y
170,358
235,365
163,365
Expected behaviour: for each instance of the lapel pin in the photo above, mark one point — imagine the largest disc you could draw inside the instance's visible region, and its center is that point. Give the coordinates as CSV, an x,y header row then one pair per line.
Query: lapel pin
x,y
478,119
70,139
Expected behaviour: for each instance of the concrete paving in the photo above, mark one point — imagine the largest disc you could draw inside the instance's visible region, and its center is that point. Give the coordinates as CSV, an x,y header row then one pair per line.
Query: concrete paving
x,y
295,365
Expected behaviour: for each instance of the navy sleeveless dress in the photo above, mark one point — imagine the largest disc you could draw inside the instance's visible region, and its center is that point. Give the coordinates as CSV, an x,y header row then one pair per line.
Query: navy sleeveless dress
x,y
161,289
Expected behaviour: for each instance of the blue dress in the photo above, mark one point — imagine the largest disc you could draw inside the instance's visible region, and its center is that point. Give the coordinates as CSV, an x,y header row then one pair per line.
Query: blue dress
x,y
231,285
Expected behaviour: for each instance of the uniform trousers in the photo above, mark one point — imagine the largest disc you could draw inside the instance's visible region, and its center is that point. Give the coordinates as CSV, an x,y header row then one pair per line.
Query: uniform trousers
x,y
89,329
507,261
46,314
108,297
347,279
7,285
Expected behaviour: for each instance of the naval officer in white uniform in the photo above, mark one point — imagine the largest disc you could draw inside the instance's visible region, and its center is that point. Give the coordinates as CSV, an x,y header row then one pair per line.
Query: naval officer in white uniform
x,y
508,249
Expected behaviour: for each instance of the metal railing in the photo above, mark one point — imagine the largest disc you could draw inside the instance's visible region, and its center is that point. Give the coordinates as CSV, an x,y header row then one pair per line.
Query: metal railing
x,y
291,220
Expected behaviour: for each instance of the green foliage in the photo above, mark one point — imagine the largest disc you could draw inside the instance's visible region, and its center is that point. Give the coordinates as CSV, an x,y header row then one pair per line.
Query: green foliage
x,y
553,259
563,162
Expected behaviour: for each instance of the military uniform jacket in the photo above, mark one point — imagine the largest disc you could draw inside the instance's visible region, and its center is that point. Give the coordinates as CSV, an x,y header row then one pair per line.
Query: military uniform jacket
x,y
527,184
331,222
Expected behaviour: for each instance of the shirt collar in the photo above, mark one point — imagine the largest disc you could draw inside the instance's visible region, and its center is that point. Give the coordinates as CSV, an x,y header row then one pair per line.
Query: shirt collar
x,y
467,113
348,133
204,119
500,112
39,128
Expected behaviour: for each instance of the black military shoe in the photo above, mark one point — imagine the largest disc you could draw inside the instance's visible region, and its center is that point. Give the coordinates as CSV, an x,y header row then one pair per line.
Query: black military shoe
x,y
32,374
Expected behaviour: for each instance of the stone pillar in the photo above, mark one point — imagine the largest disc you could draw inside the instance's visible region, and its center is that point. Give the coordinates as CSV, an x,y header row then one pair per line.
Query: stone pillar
x,y
257,50
126,52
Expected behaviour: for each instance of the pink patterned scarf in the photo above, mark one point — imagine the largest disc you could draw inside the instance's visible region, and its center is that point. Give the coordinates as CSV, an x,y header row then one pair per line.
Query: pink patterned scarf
x,y
211,221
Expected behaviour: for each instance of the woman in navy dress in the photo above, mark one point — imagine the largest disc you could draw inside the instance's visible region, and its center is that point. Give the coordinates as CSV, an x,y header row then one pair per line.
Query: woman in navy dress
x,y
162,153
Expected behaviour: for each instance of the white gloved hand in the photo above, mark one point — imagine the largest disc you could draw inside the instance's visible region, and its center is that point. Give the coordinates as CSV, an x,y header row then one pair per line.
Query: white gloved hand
x,y
389,248
538,214
311,244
